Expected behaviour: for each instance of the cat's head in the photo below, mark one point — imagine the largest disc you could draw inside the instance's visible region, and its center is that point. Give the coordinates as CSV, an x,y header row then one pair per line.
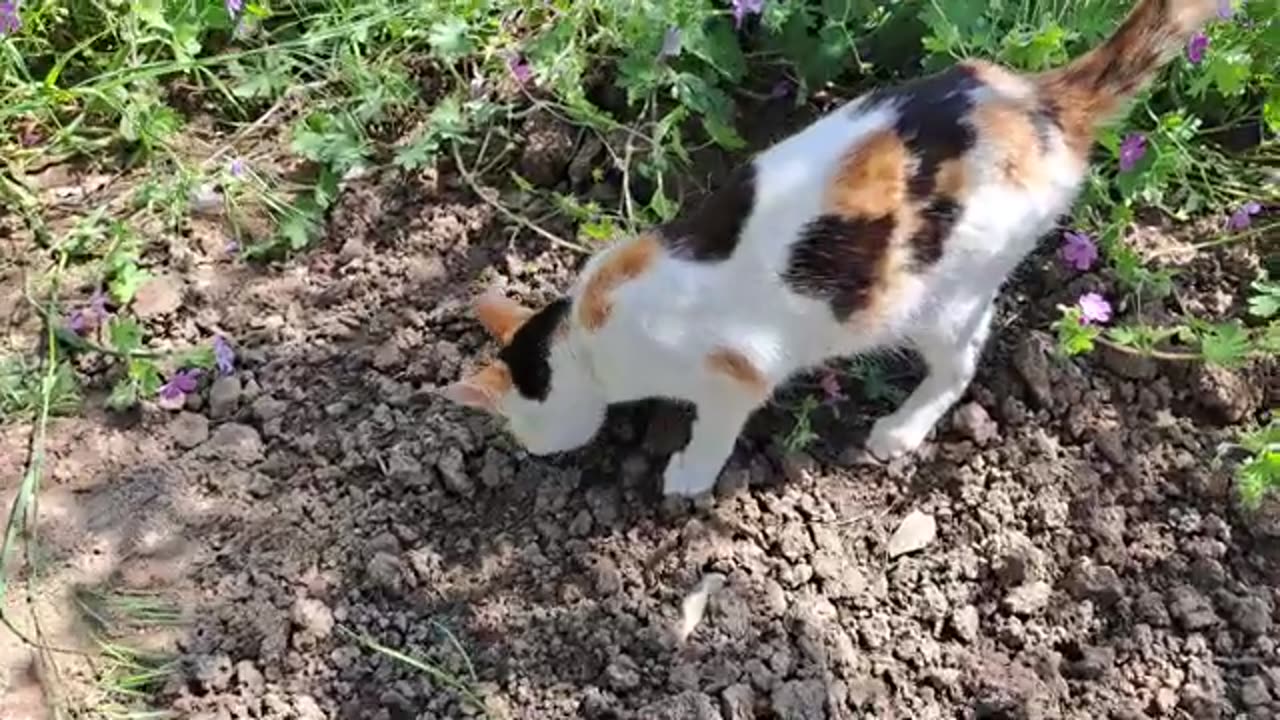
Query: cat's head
x,y
542,388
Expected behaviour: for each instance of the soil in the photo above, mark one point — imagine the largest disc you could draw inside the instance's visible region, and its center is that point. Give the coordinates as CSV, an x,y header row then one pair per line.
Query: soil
x,y
1089,559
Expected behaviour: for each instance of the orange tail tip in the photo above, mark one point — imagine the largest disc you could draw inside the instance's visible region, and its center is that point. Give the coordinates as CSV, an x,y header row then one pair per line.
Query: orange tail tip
x,y
1093,87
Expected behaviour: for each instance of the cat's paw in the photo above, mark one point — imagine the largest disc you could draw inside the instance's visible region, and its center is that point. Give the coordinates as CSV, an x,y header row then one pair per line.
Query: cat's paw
x,y
686,479
890,439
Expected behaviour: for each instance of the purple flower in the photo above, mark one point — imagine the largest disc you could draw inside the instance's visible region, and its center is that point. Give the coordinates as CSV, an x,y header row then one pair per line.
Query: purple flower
x,y
1225,11
234,7
89,318
672,43
520,69
1094,309
1243,216
1078,250
180,384
1196,47
236,168
743,8
830,384
223,356
781,89
10,20
232,247
1132,150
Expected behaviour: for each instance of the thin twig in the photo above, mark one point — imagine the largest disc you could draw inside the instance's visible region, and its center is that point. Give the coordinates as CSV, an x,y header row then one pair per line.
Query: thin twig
x,y
509,213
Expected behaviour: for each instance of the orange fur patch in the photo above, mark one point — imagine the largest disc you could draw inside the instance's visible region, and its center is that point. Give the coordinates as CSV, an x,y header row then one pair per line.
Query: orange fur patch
x,y
495,378
951,179
1008,128
737,367
626,262
501,316
872,179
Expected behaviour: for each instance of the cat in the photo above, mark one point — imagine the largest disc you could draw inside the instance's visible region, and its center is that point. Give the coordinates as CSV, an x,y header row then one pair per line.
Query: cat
x,y
891,221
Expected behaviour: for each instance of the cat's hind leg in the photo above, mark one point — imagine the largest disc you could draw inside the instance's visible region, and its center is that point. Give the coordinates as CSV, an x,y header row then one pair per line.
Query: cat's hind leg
x,y
951,345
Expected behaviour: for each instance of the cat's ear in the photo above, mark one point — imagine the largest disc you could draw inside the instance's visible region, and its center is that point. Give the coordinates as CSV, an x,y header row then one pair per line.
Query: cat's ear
x,y
501,315
483,390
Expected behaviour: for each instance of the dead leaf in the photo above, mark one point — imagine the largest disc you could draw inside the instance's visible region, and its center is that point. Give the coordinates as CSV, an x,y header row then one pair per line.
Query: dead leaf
x,y
915,532
695,604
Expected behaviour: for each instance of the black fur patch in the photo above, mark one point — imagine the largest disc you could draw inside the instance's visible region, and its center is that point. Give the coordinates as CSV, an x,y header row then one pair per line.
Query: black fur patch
x,y
711,232
837,259
933,122
937,219
529,351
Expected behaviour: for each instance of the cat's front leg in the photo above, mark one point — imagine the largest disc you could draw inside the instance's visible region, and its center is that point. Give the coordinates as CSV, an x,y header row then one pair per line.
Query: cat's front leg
x,y
693,471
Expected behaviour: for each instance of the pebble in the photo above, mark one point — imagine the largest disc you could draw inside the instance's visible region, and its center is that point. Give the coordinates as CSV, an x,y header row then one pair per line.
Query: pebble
x,y
224,397
972,421
964,621
1252,616
1029,599
1191,609
189,429
235,442
454,473
158,296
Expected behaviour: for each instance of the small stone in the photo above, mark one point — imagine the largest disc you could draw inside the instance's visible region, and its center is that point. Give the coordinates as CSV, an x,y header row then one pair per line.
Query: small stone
x,y
1191,609
1098,583
235,442
1028,599
972,421
224,397
307,708
189,429
915,532
737,702
1128,364
1031,360
622,674
453,470
213,672
1254,692
581,524
388,356
964,621
688,705
1151,609
384,571
1225,393
1252,616
497,469
606,575
800,700
249,677
1092,663
158,296
313,617
266,408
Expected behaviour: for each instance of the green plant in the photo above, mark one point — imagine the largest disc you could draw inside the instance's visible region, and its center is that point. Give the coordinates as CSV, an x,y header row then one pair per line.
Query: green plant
x,y
1259,475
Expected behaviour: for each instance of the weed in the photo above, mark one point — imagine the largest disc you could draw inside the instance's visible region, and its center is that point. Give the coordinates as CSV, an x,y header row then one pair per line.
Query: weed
x,y
462,686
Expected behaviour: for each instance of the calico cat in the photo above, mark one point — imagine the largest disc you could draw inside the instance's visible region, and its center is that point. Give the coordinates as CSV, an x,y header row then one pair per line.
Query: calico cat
x,y
893,220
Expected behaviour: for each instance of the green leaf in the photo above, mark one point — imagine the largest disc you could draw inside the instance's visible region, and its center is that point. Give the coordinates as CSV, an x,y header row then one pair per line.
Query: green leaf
x,y
151,13
125,334
450,40
124,284
124,395
1266,302
1225,344
146,378
1230,71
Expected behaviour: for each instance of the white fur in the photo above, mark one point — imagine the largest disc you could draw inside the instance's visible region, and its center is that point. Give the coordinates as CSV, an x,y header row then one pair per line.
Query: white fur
x,y
664,323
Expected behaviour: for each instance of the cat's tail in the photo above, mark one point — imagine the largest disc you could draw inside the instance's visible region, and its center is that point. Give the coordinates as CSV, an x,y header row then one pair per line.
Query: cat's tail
x,y
1094,87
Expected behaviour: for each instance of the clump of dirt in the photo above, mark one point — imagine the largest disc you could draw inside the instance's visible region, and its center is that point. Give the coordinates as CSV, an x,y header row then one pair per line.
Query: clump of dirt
x,y
1088,560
